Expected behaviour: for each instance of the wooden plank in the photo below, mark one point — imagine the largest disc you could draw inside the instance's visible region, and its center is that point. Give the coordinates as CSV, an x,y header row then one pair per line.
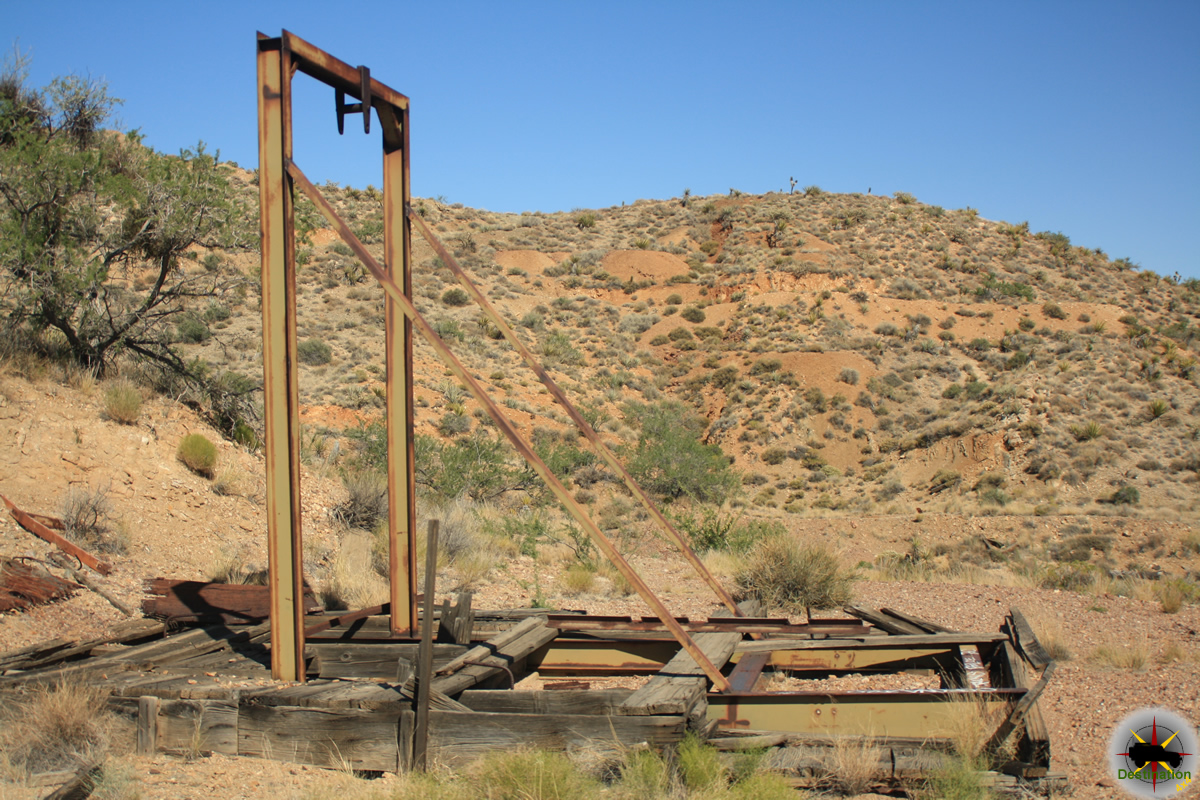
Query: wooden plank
x,y
376,661
337,739
681,684
1027,641
972,661
40,530
458,620
456,739
567,701
883,621
924,624
198,727
896,642
510,657
1034,745
210,603
493,645
147,725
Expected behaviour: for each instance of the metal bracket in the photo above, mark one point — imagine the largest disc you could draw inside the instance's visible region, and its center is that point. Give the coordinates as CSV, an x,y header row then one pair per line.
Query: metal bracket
x,y
343,108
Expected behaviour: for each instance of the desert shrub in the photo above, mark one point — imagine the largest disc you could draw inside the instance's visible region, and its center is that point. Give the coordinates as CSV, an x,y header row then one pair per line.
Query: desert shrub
x,y
1087,432
366,502
785,574
453,423
700,767
1126,495
198,454
476,465
680,335
1053,310
314,352
712,530
1157,408
87,520
765,365
123,402
55,728
723,377
638,323
692,314
952,391
456,297
192,330
886,329
585,221
674,300
774,455
1026,324
669,459
849,376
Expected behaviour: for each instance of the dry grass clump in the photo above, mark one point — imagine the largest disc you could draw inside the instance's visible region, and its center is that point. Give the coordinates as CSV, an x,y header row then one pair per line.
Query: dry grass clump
x,y
234,568
198,454
1132,656
577,579
785,574
123,402
55,728
1049,631
352,582
856,760
229,482
366,503
88,521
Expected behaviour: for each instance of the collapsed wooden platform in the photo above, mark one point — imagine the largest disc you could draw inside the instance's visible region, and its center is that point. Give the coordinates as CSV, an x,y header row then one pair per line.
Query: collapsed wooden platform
x,y
208,689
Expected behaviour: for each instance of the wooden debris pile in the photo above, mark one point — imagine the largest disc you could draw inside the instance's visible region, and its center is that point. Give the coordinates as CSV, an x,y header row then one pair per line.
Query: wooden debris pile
x,y
208,689
24,584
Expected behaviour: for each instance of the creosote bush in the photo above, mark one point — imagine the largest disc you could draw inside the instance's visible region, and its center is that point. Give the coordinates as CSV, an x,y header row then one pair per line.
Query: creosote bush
x,y
198,454
314,352
786,574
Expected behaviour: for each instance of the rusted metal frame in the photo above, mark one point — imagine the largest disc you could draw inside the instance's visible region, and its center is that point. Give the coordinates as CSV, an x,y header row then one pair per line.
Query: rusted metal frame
x,y
280,390
313,61
719,681
31,523
560,397
401,461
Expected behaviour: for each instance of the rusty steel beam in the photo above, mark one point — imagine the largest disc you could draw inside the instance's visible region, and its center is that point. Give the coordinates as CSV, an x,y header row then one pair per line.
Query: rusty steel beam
x,y
719,681
401,466
33,524
560,397
280,392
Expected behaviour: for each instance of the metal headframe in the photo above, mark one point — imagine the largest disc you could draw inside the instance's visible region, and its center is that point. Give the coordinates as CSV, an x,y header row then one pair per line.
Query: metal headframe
x,y
279,176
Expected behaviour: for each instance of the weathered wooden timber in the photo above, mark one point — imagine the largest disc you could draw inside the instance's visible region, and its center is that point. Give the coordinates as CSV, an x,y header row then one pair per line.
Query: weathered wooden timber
x,y
206,603
208,690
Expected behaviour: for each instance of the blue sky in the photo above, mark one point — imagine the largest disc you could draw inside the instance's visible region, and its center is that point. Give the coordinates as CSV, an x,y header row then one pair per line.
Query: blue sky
x,y
1080,117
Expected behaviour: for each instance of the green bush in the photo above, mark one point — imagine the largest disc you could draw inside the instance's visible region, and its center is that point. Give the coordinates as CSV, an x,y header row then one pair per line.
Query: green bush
x,y
455,297
192,330
1126,495
314,352
674,300
586,221
713,530
198,454
670,460
692,314
1053,310
785,574
123,403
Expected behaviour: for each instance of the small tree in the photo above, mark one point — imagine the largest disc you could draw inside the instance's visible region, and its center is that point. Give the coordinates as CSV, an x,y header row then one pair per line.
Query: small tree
x,y
95,227
670,460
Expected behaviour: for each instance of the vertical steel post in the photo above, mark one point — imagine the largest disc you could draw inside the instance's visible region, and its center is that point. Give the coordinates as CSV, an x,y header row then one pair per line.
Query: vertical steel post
x,y
280,391
402,507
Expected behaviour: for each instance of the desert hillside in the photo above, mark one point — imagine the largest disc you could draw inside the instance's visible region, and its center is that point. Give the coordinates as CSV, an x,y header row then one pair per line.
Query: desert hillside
x,y
969,414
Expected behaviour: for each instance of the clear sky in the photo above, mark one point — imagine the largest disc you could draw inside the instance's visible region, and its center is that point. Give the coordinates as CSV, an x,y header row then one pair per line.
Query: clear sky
x,y
1080,117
